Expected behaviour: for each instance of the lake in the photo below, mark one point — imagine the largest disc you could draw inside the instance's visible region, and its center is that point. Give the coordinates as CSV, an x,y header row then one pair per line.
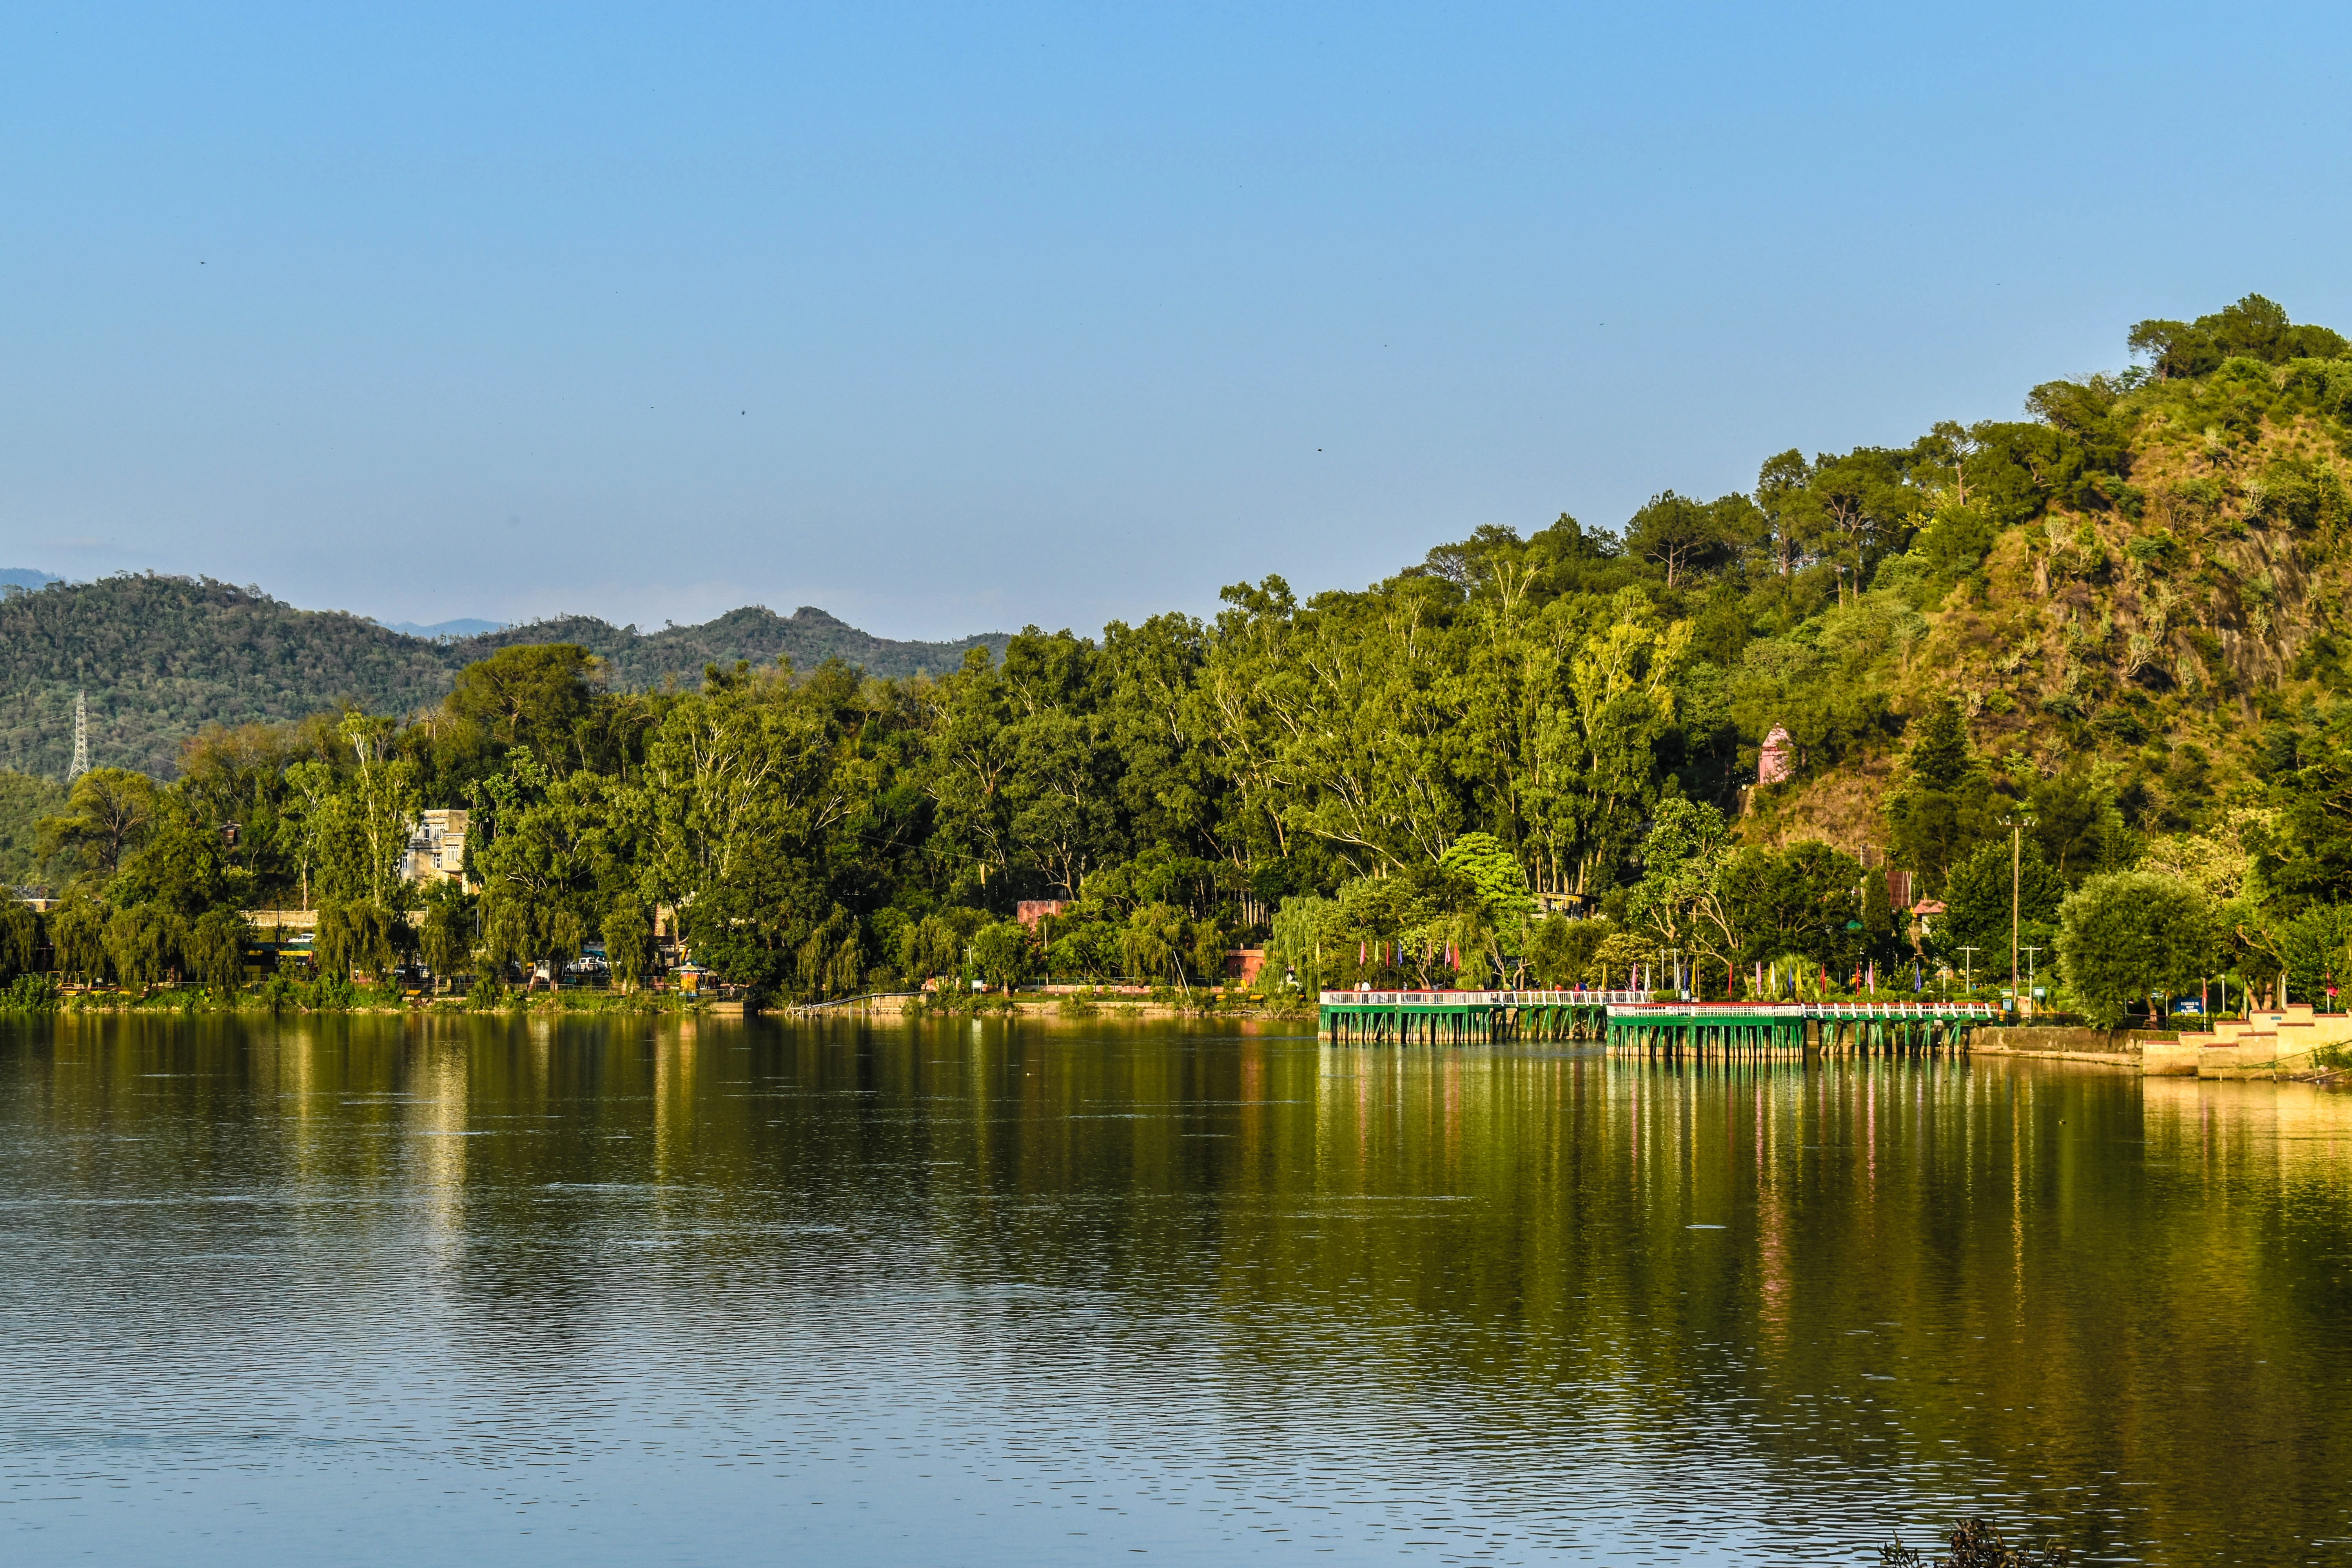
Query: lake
x,y
374,1290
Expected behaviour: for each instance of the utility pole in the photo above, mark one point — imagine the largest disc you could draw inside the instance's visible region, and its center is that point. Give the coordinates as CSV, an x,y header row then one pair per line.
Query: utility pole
x,y
81,737
1968,970
2017,823
2030,951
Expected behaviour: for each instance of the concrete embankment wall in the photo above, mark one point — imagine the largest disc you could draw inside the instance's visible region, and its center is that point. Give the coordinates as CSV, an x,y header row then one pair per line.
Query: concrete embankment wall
x,y
2118,1047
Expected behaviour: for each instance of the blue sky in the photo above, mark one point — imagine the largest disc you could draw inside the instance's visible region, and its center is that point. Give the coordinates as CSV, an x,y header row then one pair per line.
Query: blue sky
x,y
956,317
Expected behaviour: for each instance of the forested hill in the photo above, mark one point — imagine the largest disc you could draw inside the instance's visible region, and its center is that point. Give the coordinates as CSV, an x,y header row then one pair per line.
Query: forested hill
x,y
2138,589
161,657
644,662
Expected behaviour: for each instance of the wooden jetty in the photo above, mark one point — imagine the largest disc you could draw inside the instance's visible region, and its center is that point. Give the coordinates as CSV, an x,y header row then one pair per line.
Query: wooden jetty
x,y
1629,1023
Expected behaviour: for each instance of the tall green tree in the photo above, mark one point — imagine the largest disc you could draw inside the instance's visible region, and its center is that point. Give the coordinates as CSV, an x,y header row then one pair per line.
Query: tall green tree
x,y
1004,954
1686,538
2126,936
1800,900
78,933
745,784
1978,902
106,816
548,851
1682,903
538,695
1941,813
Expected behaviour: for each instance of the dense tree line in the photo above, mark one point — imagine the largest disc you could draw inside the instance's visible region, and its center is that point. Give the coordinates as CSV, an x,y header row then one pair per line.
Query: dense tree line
x,y
1407,783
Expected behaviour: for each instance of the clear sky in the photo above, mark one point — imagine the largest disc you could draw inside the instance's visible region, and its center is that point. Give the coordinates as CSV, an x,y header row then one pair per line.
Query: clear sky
x,y
953,318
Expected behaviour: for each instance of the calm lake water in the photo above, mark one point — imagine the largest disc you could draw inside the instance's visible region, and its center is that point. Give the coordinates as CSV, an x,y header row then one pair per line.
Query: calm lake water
x,y
372,1291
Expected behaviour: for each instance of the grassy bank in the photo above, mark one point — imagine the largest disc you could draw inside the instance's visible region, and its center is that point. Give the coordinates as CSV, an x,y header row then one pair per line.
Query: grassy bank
x,y
40,993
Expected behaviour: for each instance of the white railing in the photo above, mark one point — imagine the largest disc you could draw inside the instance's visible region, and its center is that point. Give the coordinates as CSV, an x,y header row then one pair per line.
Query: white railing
x,y
1713,1009
1902,1009
1866,1010
1637,1004
1480,998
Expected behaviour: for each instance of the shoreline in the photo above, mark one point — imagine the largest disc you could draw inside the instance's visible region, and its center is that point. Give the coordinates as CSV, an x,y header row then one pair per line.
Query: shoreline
x,y
908,1007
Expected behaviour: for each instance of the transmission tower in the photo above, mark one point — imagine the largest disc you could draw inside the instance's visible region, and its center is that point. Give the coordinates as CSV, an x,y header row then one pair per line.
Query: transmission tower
x,y
81,737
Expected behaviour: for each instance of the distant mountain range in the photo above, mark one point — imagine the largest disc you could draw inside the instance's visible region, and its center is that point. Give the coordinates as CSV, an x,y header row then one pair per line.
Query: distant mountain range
x,y
467,629
25,577
161,657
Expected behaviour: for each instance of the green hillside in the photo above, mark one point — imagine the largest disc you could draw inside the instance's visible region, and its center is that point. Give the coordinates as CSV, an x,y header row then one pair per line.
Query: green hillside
x,y
2143,588
161,657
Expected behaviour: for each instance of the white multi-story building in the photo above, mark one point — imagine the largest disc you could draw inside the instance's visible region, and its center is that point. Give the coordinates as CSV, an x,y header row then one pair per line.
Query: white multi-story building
x,y
436,848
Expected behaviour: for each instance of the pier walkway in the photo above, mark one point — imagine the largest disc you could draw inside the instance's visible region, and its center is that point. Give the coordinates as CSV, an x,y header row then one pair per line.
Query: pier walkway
x,y
1629,1022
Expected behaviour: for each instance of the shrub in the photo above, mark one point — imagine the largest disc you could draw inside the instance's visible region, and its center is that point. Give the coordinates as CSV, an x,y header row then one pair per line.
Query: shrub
x,y
30,994
1976,1544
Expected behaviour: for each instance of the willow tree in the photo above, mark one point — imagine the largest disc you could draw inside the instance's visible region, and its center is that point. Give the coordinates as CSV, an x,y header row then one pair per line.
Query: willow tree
x,y
20,939
356,937
215,948
77,935
445,938
628,942
143,942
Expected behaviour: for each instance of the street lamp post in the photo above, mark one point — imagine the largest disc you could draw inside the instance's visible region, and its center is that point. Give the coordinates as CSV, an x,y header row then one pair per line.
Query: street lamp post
x,y
1968,966
2030,951
2017,823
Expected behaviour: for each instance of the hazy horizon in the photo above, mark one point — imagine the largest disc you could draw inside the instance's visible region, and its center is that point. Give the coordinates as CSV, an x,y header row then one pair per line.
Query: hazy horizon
x,y
954,321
